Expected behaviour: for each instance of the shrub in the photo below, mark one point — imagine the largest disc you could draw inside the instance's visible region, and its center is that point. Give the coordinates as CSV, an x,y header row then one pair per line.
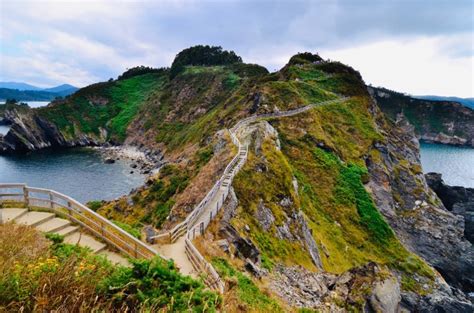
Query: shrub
x,y
38,276
304,58
203,55
140,70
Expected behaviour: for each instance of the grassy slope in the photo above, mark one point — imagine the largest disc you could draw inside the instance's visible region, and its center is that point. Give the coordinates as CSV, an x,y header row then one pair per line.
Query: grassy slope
x,y
109,105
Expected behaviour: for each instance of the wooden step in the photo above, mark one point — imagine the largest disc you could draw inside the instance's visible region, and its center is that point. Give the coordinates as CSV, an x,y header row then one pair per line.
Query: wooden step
x,y
67,230
86,241
8,215
33,218
53,225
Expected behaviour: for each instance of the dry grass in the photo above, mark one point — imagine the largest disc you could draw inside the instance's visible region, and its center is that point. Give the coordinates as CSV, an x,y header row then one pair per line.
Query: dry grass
x,y
34,279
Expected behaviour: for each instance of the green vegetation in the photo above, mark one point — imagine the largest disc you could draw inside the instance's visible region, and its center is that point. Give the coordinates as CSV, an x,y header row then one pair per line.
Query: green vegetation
x,y
38,275
349,188
140,70
134,231
110,106
268,187
203,55
304,58
250,296
427,116
172,180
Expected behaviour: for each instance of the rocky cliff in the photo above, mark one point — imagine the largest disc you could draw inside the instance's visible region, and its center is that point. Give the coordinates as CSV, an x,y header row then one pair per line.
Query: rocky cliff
x,y
442,122
458,200
29,132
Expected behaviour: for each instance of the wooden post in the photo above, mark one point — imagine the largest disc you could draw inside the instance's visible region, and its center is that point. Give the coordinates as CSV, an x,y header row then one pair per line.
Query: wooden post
x,y
201,226
69,208
136,251
51,203
26,196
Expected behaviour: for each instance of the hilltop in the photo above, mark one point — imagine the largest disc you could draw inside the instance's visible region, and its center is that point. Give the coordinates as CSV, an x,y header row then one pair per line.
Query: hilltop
x,y
331,211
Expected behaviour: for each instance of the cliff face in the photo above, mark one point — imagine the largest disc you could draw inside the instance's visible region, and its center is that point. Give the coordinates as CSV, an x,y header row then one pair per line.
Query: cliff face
x,y
458,200
434,121
414,211
30,132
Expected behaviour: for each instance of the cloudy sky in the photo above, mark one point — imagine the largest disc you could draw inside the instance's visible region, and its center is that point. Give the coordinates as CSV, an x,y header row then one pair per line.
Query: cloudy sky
x,y
413,46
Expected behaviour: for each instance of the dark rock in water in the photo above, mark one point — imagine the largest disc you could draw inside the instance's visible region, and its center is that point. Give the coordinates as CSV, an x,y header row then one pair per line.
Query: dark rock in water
x,y
133,165
109,161
458,200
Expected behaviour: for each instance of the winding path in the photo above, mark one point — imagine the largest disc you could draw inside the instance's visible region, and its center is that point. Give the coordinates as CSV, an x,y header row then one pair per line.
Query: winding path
x,y
198,220
175,244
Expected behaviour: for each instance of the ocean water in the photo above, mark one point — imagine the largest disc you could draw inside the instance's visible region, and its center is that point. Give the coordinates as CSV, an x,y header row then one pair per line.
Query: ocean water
x,y
34,104
4,129
455,163
80,173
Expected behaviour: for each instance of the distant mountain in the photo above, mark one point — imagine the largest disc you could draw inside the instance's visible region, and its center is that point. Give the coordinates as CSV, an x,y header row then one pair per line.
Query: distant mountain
x,y
61,88
26,92
19,86
27,95
469,102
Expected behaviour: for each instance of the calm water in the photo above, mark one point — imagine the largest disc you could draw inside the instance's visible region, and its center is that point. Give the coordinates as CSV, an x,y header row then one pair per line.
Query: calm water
x,y
34,104
79,173
4,129
455,163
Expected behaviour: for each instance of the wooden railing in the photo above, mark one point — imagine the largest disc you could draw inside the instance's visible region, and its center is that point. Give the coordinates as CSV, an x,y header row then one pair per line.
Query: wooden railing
x,y
62,205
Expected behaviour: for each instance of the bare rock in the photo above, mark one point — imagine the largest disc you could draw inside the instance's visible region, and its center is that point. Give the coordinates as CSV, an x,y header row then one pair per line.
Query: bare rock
x,y
386,296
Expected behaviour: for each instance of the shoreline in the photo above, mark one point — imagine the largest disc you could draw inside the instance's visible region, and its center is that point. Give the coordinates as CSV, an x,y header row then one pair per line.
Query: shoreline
x,y
144,162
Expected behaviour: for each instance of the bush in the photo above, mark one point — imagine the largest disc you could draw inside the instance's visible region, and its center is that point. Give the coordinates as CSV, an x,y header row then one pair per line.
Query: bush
x,y
203,55
158,284
304,58
38,276
140,70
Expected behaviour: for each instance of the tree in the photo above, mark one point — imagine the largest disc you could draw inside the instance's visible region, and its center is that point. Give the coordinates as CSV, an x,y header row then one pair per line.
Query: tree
x,y
204,56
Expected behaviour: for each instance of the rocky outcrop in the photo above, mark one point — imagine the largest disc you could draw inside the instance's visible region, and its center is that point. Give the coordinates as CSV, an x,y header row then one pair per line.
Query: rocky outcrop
x,y
244,248
363,288
458,200
30,132
441,122
413,210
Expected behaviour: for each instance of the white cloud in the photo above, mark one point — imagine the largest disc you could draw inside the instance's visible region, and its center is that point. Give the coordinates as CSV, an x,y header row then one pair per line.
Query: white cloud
x,y
97,39
417,66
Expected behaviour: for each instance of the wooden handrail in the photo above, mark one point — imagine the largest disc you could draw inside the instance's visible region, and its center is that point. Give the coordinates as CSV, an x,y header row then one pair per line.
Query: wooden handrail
x,y
81,214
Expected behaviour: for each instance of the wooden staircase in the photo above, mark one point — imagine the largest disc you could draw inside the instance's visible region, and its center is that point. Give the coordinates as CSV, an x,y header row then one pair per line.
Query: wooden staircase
x,y
49,223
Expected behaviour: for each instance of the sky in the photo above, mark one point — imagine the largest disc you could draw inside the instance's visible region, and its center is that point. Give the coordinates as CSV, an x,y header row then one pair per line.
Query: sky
x,y
418,47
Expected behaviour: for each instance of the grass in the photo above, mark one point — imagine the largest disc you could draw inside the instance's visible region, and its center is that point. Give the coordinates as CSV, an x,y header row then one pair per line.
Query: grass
x,y
110,105
40,274
249,295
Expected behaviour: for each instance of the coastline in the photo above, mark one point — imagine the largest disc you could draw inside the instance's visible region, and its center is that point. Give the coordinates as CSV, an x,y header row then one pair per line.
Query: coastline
x,y
145,162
